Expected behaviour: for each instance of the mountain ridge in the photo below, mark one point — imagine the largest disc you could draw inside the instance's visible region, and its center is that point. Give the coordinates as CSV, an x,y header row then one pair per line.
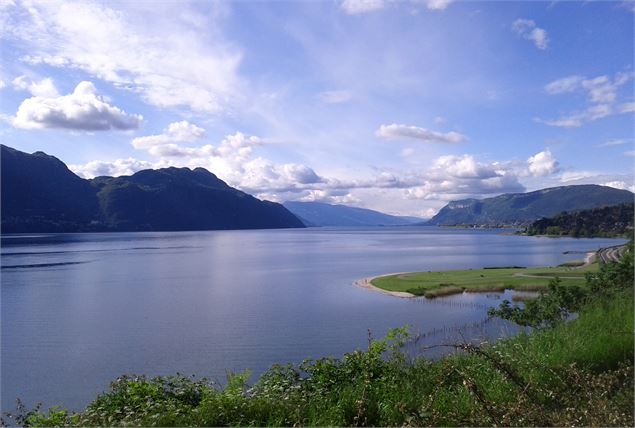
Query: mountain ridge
x,y
522,208
324,214
40,194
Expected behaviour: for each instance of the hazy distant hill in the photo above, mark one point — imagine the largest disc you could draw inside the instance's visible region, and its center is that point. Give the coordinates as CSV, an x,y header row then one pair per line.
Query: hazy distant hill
x,y
321,214
523,208
616,220
40,194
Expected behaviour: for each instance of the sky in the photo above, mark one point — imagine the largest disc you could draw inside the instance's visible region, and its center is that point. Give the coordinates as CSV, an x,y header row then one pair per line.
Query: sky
x,y
398,106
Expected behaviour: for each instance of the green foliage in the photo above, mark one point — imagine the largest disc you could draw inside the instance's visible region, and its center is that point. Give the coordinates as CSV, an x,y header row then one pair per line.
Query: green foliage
x,y
551,308
616,220
558,303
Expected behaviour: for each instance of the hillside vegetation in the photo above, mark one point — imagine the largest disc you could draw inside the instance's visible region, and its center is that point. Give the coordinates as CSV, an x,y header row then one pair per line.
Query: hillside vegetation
x,y
576,373
40,194
519,209
610,221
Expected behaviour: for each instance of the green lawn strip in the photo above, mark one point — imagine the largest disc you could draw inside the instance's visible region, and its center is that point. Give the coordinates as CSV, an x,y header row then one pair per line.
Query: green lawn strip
x,y
434,284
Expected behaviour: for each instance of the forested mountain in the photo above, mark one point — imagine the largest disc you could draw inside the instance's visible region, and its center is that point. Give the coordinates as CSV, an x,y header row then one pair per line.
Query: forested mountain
x,y
523,208
40,194
616,220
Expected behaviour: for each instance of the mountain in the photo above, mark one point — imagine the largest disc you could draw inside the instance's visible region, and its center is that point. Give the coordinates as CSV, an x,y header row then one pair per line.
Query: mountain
x,y
523,208
321,214
615,220
40,194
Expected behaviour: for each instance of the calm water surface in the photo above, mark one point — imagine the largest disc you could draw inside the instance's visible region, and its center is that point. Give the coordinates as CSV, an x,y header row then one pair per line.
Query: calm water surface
x,y
79,310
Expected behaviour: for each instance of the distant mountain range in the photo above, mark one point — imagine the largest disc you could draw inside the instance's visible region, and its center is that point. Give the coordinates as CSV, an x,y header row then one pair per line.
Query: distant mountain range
x,y
523,208
40,194
322,214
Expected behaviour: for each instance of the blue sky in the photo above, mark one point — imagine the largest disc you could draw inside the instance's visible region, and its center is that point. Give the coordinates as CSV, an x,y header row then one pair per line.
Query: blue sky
x,y
396,106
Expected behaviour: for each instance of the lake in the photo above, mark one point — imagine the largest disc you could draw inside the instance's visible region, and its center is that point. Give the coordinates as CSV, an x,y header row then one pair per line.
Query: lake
x,y
79,310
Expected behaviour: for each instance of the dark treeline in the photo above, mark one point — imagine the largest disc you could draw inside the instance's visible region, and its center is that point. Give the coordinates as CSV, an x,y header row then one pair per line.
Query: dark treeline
x,y
616,220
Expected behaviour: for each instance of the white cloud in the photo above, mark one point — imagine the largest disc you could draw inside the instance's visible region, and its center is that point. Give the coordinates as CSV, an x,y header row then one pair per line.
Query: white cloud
x,y
44,88
627,107
357,7
83,110
602,92
620,185
464,167
438,4
177,132
630,153
461,176
395,131
601,89
114,169
335,97
610,143
193,67
527,29
566,84
542,164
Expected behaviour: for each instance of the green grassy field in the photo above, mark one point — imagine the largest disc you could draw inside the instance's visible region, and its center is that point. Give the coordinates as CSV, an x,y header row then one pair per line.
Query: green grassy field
x,y
434,284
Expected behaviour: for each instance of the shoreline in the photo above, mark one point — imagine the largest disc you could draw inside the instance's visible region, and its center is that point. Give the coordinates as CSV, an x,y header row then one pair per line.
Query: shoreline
x,y
366,283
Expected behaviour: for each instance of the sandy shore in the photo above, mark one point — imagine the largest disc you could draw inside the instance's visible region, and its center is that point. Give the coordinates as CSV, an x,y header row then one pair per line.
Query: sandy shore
x,y
366,283
590,258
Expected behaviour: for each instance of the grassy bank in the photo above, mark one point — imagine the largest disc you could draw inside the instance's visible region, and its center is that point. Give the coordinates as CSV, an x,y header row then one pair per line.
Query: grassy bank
x,y
435,284
577,373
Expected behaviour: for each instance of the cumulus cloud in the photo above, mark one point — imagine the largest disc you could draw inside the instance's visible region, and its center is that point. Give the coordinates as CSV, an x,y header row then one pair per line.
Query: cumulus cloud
x,y
602,93
395,131
43,88
84,110
177,132
335,97
622,185
452,177
542,164
464,167
356,7
114,169
194,67
527,29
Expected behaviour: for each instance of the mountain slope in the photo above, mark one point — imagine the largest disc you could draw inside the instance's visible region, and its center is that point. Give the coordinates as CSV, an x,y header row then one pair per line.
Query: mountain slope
x,y
615,220
322,214
40,194
171,198
523,208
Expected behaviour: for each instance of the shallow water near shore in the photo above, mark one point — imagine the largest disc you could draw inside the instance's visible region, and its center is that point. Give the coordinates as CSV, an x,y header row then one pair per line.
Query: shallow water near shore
x,y
79,310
